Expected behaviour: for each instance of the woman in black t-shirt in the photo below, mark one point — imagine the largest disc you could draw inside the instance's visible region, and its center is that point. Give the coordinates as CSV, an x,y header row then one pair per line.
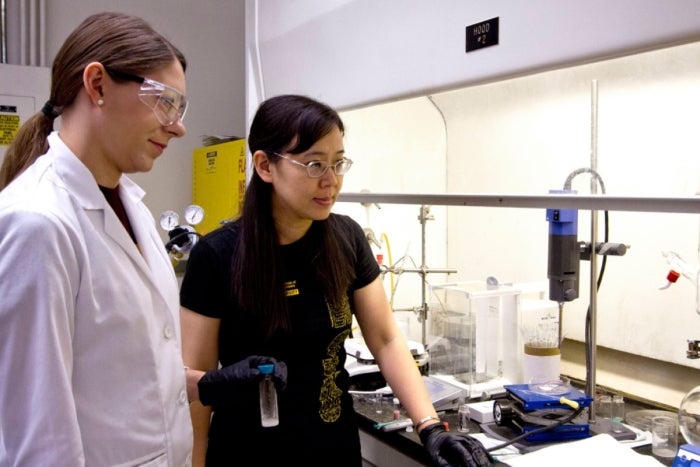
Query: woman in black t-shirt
x,y
280,285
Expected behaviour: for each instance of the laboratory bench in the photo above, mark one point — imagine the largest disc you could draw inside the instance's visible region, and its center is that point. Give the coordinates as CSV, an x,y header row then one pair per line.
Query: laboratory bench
x,y
404,448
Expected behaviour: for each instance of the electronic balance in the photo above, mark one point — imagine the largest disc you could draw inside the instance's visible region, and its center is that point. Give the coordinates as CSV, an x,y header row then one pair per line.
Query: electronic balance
x,y
366,378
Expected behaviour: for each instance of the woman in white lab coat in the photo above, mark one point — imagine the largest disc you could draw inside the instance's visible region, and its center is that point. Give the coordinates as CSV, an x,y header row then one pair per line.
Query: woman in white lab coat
x,y
90,354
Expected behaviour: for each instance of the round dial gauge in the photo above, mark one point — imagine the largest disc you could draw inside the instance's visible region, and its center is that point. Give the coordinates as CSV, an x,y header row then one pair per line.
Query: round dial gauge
x,y
194,214
169,220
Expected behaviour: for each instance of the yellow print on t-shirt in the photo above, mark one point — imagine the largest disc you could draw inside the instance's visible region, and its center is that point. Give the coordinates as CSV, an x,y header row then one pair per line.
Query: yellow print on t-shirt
x,y
329,410
290,288
341,315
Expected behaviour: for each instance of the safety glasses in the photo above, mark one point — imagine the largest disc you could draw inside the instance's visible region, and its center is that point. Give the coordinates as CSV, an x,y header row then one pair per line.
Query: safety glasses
x,y
316,169
168,104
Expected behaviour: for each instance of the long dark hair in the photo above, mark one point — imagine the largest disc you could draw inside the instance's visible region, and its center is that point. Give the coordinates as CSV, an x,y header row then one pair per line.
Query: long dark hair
x,y
120,42
284,124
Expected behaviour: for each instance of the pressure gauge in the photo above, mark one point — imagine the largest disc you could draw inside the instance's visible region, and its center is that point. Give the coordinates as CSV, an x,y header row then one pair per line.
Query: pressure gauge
x,y
169,220
194,214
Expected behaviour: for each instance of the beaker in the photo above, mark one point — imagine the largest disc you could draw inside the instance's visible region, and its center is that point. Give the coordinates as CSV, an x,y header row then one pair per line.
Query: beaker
x,y
541,364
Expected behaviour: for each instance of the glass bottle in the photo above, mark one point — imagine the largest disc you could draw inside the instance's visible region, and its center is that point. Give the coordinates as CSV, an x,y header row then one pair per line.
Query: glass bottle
x,y
269,415
618,413
463,415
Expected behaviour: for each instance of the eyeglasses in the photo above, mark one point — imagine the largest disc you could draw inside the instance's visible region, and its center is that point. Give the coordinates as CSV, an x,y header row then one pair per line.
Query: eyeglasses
x,y
168,104
317,169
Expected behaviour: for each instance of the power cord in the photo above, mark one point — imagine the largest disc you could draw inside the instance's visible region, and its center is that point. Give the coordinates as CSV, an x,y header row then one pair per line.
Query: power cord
x,y
542,429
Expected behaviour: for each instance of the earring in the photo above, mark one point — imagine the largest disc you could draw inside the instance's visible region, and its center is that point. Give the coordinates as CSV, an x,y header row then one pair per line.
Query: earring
x,y
100,102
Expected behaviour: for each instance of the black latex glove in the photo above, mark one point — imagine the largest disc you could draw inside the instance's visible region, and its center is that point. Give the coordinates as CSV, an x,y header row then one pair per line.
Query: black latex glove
x,y
452,450
216,387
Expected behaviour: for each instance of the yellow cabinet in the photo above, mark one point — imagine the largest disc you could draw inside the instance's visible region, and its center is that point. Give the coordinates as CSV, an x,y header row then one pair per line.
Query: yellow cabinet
x,y
218,182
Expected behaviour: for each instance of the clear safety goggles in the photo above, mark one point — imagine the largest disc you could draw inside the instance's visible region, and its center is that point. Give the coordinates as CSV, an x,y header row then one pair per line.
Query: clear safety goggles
x,y
168,104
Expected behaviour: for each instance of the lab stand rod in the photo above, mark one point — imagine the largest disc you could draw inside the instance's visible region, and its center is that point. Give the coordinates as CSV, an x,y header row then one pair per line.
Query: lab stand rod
x,y
422,270
660,204
593,289
593,311
423,218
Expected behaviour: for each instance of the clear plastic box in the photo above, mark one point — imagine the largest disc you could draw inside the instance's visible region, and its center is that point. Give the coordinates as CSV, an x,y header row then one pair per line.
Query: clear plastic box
x,y
473,335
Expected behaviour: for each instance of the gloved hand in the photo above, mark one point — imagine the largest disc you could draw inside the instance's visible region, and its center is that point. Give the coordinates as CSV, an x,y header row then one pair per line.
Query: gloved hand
x,y
450,449
216,387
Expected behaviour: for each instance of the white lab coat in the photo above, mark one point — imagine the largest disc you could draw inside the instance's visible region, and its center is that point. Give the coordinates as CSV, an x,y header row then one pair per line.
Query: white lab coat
x,y
90,354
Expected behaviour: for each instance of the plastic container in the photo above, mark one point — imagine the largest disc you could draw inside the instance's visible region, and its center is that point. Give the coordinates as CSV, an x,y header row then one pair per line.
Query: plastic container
x,y
540,334
541,364
269,414
474,334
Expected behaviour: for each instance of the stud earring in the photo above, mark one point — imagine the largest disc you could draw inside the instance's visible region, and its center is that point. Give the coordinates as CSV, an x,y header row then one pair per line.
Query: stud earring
x,y
100,102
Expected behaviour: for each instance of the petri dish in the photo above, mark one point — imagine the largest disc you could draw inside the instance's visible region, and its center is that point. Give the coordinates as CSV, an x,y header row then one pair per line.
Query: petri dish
x,y
552,388
642,418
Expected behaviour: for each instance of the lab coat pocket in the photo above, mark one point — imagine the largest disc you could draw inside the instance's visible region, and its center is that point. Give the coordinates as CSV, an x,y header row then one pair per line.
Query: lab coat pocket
x,y
161,459
154,459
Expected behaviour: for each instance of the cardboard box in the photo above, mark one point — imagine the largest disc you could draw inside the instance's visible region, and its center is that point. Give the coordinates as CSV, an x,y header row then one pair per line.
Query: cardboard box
x,y
218,182
481,411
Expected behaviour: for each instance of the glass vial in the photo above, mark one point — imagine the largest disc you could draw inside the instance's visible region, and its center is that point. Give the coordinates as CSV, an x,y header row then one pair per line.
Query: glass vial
x,y
269,415
605,407
378,402
463,415
396,414
618,413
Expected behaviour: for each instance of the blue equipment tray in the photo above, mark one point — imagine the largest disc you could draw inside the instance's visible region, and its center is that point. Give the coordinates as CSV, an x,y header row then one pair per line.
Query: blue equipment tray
x,y
536,397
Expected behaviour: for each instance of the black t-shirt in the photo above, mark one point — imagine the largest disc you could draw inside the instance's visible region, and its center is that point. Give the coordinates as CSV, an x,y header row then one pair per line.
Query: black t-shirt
x,y
317,422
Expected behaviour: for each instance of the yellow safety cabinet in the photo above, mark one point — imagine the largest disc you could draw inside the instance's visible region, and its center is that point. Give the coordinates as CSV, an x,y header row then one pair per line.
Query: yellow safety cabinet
x,y
218,184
